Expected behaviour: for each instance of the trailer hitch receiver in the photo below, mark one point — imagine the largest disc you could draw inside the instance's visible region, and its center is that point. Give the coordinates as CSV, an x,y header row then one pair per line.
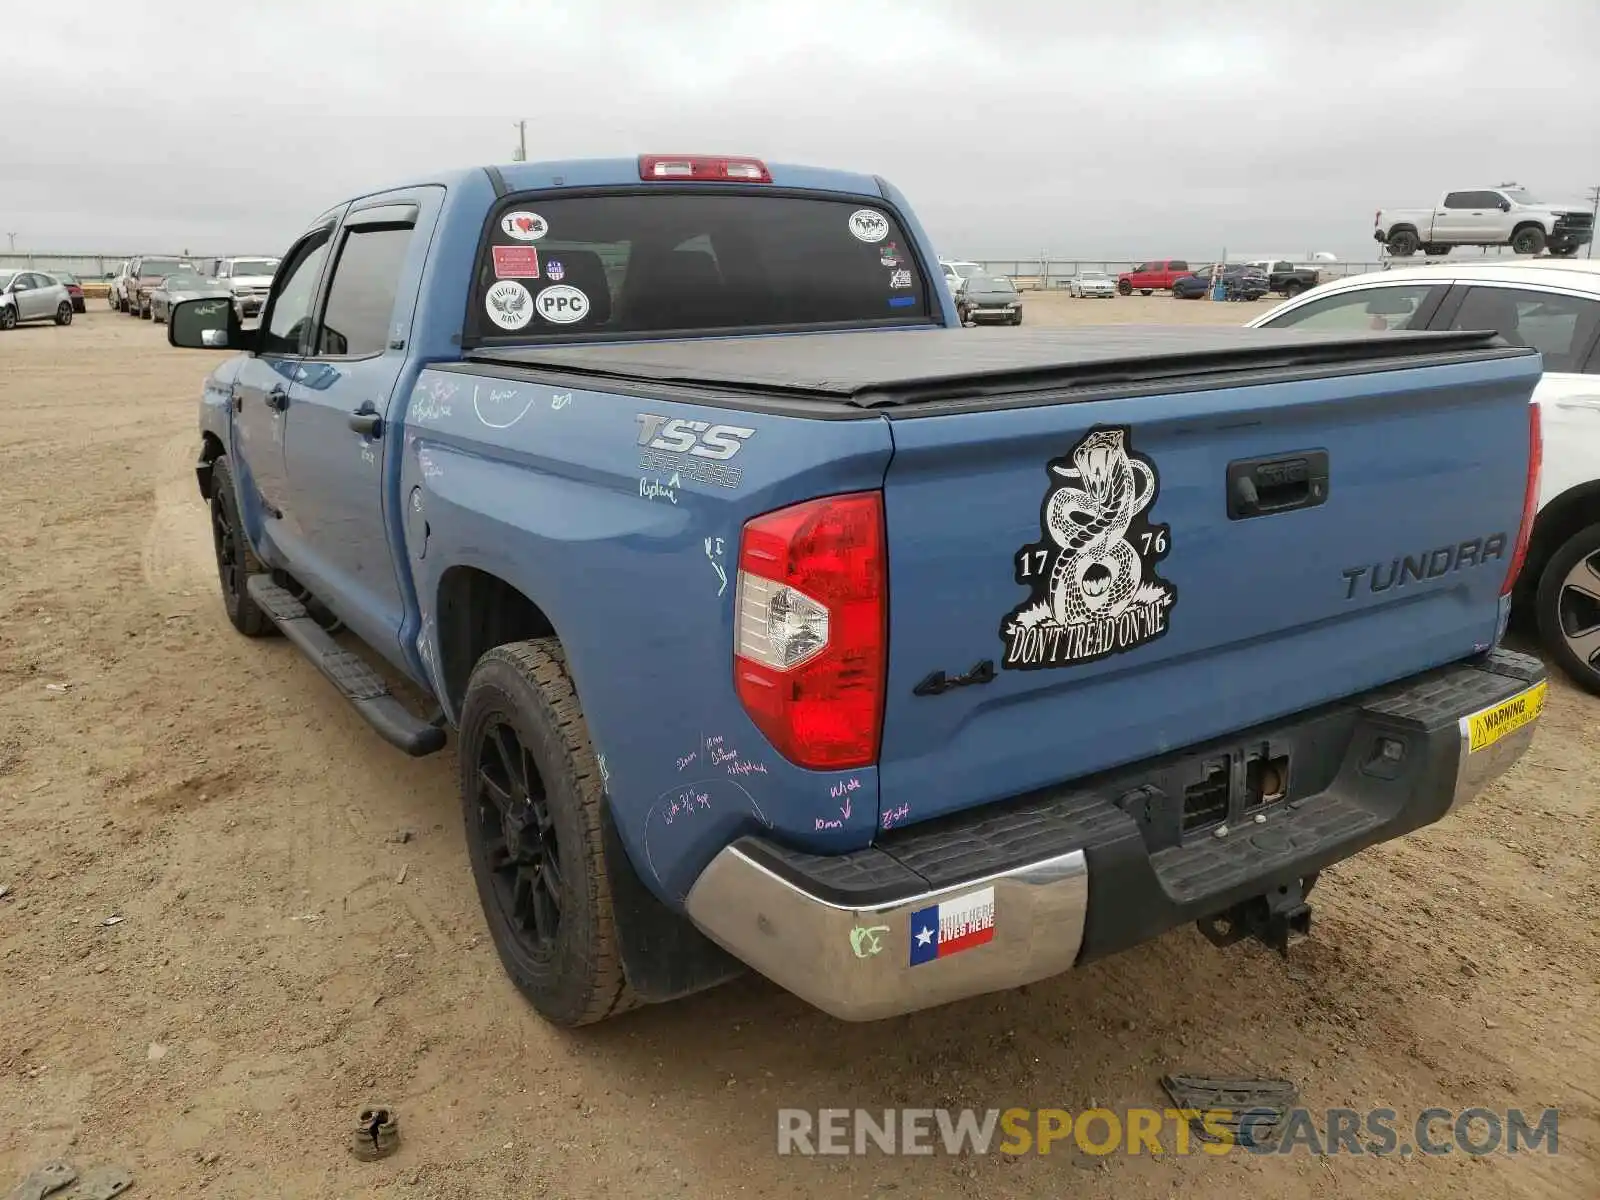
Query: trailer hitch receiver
x,y
1271,919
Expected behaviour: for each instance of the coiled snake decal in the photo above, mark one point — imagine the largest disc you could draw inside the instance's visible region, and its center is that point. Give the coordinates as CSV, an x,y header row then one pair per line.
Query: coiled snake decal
x,y
1094,590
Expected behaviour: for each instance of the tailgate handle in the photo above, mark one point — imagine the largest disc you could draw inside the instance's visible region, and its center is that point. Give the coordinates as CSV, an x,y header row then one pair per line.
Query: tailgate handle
x,y
1263,487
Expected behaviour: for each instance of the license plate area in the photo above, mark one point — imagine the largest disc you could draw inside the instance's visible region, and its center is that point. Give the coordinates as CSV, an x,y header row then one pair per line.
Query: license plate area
x,y
1189,796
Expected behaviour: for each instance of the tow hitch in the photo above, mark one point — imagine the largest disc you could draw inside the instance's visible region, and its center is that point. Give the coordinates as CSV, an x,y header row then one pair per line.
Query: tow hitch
x,y
1270,919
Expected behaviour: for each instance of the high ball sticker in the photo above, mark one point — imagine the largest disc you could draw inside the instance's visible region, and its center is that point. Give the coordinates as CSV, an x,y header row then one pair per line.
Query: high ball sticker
x,y
1093,587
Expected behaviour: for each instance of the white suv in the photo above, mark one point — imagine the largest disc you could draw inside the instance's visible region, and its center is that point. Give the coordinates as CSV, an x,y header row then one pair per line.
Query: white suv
x,y
1552,305
249,279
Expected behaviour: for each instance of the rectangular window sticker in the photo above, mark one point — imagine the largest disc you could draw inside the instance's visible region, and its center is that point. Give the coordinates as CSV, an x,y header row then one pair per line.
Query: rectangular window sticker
x,y
516,262
952,926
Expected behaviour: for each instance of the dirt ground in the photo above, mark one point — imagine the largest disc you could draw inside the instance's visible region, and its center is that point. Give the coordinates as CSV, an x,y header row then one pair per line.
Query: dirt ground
x,y
282,958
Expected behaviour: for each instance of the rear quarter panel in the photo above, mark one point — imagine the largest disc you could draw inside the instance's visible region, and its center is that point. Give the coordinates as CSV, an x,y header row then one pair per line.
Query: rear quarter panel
x,y
548,488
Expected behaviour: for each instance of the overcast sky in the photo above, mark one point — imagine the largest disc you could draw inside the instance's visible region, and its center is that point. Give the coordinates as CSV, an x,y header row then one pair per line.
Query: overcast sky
x,y
1131,129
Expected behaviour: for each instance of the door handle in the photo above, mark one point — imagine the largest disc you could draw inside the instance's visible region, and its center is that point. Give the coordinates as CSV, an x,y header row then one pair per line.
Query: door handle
x,y
367,424
277,399
1263,487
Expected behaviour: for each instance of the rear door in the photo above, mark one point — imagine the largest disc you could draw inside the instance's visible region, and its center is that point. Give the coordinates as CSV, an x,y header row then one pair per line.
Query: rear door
x,y
1089,573
337,434
1564,326
37,298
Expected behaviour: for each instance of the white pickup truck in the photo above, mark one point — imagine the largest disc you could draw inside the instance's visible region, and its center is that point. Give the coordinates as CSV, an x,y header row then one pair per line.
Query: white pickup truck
x,y
1499,216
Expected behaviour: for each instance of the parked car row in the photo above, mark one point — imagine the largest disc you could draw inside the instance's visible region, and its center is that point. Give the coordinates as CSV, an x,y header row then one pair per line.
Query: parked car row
x,y
1239,282
132,285
243,280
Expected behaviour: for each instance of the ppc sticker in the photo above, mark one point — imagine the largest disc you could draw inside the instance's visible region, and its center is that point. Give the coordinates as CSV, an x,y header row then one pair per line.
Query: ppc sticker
x,y
869,226
524,226
509,304
900,278
563,304
515,262
1091,577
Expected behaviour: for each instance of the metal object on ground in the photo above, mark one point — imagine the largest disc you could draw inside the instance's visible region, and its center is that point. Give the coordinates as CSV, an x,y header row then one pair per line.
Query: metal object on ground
x,y
103,1183
43,1180
1251,1110
377,1133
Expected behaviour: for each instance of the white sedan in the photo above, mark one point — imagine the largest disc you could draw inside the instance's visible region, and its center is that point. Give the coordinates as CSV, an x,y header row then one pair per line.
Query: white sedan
x,y
1552,305
1095,284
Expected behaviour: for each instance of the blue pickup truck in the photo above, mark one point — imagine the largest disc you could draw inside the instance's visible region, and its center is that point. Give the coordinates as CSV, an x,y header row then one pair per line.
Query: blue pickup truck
x,y
784,624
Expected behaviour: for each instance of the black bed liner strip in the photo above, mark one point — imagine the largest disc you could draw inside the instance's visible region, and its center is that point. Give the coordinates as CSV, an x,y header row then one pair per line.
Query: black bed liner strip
x,y
892,368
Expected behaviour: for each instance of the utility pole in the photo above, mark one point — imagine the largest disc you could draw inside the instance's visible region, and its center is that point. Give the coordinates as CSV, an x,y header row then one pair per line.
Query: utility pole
x,y
1594,195
521,154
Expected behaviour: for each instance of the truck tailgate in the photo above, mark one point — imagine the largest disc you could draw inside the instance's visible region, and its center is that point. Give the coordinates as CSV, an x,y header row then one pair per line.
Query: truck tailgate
x,y
1088,579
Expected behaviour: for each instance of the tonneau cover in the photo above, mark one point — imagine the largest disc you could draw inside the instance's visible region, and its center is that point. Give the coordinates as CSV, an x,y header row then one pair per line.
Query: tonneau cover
x,y
873,367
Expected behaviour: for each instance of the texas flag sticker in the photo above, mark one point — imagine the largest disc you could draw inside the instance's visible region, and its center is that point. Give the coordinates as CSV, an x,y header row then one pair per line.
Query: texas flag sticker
x,y
952,926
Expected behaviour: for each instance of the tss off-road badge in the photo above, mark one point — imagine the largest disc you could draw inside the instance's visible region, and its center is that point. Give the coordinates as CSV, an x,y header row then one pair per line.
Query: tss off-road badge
x,y
696,449
1093,587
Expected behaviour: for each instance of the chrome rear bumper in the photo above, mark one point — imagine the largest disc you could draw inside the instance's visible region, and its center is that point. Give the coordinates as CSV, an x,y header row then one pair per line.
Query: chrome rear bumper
x,y
855,963
868,934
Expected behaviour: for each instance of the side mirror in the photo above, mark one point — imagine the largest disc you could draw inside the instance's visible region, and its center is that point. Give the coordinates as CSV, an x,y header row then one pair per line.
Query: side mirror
x,y
1505,206
208,325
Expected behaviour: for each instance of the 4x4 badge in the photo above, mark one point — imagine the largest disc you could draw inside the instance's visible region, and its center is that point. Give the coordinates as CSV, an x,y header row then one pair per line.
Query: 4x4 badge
x,y
1093,587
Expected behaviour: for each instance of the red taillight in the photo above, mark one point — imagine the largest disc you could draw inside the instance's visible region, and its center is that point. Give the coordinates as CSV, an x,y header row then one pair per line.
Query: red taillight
x,y
1530,499
810,638
703,168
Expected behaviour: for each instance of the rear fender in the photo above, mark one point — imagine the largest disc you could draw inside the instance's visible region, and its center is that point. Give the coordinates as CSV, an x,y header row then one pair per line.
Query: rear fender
x,y
631,559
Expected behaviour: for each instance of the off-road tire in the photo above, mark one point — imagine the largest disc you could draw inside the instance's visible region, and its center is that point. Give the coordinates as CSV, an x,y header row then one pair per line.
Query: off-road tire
x,y
1292,289
1585,544
526,686
243,613
1403,243
1527,240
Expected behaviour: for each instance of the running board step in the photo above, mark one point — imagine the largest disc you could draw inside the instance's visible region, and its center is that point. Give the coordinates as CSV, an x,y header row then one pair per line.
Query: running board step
x,y
357,682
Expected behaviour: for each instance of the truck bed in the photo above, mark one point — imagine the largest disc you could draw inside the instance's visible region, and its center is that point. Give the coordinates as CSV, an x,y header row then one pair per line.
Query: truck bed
x,y
953,370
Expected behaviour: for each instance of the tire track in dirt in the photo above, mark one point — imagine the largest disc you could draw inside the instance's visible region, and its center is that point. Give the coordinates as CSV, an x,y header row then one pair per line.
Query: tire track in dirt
x,y
176,556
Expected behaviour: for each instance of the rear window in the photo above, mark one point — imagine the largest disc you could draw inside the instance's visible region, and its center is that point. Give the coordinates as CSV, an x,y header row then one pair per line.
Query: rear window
x,y
684,263
160,266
